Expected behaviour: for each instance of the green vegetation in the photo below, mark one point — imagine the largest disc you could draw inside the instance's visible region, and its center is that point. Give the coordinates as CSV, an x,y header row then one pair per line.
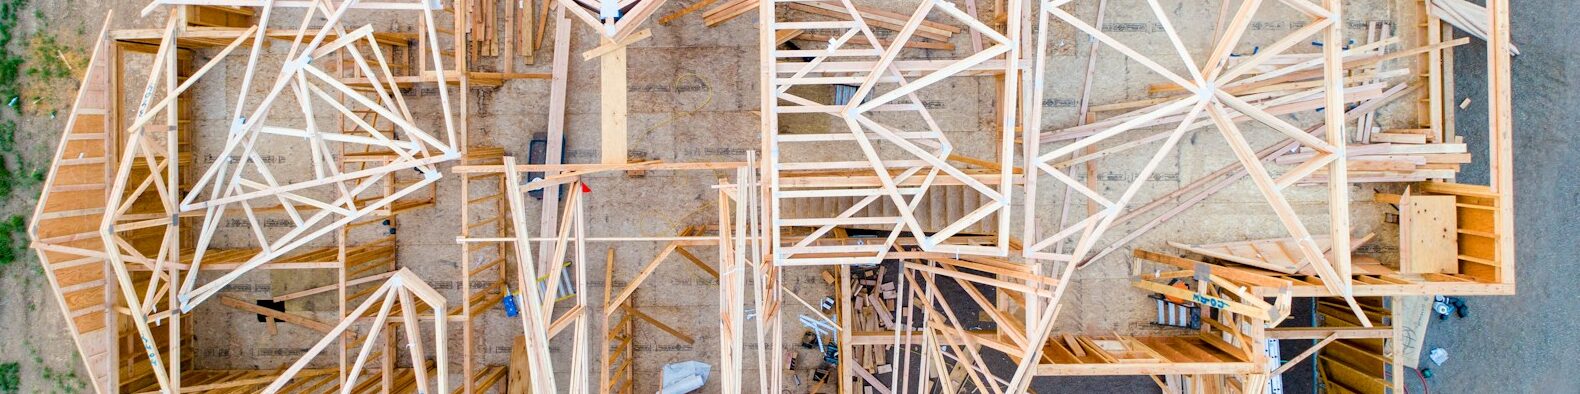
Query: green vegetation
x,y
10,378
13,238
10,63
20,175
48,58
10,70
43,59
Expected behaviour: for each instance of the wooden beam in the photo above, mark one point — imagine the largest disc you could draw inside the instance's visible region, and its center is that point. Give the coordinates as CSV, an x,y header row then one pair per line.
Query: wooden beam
x,y
612,100
611,47
678,334
1323,332
1302,356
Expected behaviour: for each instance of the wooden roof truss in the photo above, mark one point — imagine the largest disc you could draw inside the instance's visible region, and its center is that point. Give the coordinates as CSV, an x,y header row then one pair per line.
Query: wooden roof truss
x,y
1210,81
248,179
884,109
406,288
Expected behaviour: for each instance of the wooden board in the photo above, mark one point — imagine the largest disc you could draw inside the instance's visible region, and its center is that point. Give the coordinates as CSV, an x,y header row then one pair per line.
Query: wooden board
x,y
1428,235
612,96
518,384
1277,254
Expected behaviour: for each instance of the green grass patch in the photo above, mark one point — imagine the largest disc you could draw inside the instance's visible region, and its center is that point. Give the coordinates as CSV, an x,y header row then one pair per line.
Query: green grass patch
x,y
10,62
43,59
48,58
10,378
13,239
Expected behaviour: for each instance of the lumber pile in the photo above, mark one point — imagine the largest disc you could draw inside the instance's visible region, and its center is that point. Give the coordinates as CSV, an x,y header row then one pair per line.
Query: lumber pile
x,y
727,11
872,300
500,28
1410,157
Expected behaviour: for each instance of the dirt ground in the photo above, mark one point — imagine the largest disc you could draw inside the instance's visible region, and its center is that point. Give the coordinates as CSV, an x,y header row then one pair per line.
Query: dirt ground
x,y
32,330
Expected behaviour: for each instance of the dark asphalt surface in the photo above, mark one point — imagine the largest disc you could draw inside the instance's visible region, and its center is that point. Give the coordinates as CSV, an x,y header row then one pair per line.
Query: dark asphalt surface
x,y
1524,343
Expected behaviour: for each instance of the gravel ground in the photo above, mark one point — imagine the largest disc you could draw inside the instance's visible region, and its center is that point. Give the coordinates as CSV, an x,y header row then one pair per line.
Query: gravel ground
x,y
1503,344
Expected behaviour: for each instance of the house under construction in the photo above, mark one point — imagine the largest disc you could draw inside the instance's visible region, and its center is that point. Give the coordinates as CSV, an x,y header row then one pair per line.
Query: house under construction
x,y
809,196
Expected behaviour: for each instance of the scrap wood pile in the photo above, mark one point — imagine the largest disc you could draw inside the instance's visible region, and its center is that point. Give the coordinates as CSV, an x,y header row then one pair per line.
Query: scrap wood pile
x,y
872,300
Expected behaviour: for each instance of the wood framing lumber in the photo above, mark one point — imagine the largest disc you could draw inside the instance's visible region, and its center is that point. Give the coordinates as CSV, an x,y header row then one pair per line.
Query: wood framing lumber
x,y
556,126
587,169
612,100
724,12
121,213
641,276
1207,186
611,47
84,135
1290,363
532,313
327,288
1324,332
299,320
694,7
404,282
1230,273
666,328
1469,18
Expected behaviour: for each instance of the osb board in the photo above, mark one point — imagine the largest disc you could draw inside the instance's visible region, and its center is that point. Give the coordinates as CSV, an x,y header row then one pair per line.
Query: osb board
x,y
1429,235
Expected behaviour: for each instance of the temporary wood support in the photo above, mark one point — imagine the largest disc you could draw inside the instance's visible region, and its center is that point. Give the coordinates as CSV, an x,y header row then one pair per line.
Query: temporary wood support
x,y
739,247
556,129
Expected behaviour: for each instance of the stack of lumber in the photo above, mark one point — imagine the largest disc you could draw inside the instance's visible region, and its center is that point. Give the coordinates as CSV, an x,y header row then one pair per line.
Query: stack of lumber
x,y
482,20
727,11
873,299
1409,157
